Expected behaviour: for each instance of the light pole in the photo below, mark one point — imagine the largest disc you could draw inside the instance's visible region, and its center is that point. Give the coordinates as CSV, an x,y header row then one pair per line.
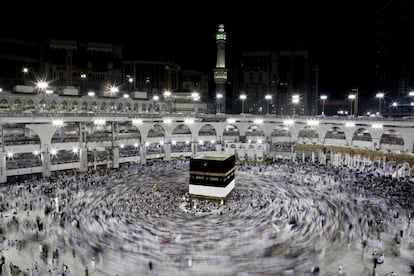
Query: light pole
x,y
84,88
167,96
25,72
352,98
269,99
196,97
379,96
242,98
323,99
219,96
131,83
411,94
42,85
295,101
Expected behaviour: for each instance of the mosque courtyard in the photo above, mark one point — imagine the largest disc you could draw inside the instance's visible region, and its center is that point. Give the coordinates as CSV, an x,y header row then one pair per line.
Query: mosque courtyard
x,y
281,219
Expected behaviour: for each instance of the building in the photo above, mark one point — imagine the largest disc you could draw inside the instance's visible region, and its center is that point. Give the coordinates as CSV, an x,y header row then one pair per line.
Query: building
x,y
19,60
212,175
270,80
393,57
89,66
153,77
220,72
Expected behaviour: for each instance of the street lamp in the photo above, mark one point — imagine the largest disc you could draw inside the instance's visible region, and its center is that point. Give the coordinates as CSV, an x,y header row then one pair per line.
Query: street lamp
x,y
411,94
42,86
323,99
379,96
269,99
167,95
25,72
219,96
352,97
84,88
295,100
242,98
196,97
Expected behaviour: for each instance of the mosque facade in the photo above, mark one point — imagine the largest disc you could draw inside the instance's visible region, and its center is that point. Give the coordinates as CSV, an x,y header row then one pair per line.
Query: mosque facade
x,y
45,142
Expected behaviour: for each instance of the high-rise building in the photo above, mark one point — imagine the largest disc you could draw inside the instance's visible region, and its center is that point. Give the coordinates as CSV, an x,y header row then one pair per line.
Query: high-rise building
x,y
393,54
19,60
87,65
270,80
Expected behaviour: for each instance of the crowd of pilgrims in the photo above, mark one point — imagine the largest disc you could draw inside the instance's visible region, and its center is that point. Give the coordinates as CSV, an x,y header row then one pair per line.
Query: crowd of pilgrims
x,y
72,223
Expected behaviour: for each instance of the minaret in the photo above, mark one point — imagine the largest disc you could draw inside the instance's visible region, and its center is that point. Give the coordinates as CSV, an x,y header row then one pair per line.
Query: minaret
x,y
220,72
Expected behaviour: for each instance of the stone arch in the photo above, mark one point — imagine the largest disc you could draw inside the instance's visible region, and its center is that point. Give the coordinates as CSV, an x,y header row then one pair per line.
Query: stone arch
x,y
181,137
231,133
182,129
156,131
281,131
392,140
30,105
69,132
362,134
362,138
75,106
103,106
4,104
94,106
53,105
112,107
254,133
119,107
336,133
127,130
281,139
17,105
65,106
17,134
84,106
42,104
207,130
136,107
308,134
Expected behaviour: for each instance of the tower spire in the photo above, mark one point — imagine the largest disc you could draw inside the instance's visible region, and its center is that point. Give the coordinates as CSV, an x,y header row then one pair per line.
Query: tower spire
x,y
220,72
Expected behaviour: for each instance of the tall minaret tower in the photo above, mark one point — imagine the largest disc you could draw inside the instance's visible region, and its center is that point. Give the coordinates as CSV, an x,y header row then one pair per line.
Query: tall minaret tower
x,y
220,72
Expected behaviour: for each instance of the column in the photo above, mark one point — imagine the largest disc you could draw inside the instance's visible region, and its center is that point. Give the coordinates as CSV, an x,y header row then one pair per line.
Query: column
x,y
143,153
347,160
83,151
83,160
167,151
115,157
94,159
321,156
115,146
313,157
303,156
194,145
45,161
3,175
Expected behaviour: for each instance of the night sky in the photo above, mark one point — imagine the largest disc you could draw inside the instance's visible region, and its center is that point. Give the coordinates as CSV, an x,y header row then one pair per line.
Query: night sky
x,y
340,35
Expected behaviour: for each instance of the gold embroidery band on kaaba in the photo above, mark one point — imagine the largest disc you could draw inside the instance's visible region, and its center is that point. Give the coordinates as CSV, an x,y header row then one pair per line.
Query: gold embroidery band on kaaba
x,y
213,174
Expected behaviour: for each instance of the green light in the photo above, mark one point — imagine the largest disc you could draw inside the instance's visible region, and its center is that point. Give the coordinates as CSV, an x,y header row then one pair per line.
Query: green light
x,y
221,36
220,74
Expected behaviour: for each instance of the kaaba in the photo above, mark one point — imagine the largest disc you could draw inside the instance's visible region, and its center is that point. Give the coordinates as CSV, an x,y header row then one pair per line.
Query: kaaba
x,y
212,175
